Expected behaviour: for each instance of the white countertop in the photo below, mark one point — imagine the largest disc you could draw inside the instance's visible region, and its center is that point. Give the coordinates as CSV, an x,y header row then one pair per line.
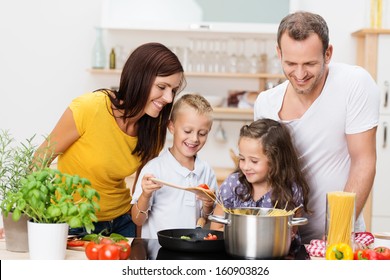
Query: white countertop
x,y
76,254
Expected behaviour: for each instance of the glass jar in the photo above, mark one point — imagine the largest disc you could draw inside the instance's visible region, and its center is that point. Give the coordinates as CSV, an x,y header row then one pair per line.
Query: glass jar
x,y
340,218
98,52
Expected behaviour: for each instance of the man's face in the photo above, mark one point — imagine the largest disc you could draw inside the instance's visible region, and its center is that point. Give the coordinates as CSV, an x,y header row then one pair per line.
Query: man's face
x,y
303,63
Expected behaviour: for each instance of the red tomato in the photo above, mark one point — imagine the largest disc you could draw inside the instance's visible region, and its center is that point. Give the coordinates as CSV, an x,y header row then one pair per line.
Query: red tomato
x,y
106,240
210,237
368,254
204,186
384,251
76,243
124,249
109,252
92,250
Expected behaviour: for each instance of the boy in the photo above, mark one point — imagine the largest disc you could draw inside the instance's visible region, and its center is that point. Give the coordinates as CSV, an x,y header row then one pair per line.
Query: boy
x,y
157,207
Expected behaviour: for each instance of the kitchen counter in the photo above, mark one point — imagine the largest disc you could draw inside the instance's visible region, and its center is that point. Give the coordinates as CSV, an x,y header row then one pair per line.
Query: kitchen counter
x,y
8,255
147,249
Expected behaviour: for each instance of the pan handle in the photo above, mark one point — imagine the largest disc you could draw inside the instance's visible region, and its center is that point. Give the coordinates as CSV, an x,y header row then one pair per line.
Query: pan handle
x,y
219,219
298,222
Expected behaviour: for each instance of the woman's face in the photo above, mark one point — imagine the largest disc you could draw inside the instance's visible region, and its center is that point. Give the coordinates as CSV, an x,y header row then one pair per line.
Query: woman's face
x,y
162,92
190,130
252,160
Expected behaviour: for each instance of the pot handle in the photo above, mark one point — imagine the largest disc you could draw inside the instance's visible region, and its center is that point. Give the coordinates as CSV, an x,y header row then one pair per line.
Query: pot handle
x,y
219,219
298,222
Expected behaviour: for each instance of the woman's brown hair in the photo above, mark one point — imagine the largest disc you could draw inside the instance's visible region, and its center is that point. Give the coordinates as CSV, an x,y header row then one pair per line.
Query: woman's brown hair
x,y
138,75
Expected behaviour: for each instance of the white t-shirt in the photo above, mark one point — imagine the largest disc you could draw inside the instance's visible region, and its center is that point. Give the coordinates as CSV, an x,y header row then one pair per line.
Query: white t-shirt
x,y
170,207
348,104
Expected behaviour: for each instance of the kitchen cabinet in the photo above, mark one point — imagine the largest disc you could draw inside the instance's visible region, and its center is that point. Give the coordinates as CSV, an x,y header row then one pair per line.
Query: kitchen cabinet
x,y
373,55
238,80
261,77
220,113
217,81
178,15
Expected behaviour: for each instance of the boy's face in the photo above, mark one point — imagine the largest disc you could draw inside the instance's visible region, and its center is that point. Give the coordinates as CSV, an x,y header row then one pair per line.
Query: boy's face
x,y
190,131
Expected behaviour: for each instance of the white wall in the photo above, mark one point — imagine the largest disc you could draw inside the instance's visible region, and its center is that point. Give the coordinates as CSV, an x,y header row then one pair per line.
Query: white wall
x,y
44,53
343,18
46,47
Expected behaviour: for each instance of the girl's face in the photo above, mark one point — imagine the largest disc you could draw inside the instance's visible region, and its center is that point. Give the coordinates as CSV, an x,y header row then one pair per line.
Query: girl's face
x,y
162,93
252,160
190,131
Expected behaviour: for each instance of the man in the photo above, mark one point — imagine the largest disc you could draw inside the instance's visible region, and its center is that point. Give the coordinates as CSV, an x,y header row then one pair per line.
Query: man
x,y
332,110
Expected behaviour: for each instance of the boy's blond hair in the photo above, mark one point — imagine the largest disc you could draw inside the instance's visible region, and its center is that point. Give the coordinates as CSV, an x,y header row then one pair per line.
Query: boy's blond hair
x,y
194,100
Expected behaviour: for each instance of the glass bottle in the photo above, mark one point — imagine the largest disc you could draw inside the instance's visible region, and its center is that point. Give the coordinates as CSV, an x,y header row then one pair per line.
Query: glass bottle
x,y
98,52
376,13
112,59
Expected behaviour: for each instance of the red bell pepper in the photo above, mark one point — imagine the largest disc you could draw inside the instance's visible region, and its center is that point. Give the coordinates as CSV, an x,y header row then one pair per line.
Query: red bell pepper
x,y
368,254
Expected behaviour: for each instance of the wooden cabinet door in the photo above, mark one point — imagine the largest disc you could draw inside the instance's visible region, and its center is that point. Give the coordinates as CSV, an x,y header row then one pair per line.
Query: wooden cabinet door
x,y
381,189
383,72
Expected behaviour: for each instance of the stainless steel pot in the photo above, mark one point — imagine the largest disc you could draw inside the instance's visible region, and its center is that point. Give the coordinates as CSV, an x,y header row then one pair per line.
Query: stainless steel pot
x,y
256,235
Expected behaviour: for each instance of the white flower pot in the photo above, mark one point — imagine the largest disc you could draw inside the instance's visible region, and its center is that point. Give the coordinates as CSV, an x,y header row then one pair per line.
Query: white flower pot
x,y
47,241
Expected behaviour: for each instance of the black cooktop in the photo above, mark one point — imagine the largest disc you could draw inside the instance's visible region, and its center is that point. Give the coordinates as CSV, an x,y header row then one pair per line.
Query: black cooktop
x,y
150,249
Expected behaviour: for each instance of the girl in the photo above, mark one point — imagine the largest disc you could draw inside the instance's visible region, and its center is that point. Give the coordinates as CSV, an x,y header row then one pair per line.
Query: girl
x,y
268,171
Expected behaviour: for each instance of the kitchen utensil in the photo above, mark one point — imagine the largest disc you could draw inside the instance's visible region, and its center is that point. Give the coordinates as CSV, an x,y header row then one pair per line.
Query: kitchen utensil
x,y
258,236
171,239
220,133
197,190
214,100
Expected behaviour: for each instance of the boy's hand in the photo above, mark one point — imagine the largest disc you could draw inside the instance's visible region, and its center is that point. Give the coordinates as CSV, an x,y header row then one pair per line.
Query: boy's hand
x,y
148,186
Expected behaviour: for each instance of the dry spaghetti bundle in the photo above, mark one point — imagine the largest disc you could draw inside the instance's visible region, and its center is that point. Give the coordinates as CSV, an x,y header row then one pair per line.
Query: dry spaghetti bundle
x,y
340,217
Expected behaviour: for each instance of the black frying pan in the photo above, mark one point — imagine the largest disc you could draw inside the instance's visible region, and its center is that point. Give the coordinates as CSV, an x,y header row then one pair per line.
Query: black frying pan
x,y
171,239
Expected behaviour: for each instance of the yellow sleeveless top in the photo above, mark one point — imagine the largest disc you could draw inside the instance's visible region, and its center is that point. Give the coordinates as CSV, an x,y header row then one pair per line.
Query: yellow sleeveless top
x,y
102,154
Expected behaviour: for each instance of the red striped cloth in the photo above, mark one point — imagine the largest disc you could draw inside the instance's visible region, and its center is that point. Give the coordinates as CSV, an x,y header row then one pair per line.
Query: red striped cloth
x,y
317,247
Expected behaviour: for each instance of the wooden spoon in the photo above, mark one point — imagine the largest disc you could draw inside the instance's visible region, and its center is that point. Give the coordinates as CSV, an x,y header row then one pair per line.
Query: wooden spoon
x,y
197,190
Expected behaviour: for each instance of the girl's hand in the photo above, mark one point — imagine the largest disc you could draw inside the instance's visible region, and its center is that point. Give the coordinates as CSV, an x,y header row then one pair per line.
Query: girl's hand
x,y
148,186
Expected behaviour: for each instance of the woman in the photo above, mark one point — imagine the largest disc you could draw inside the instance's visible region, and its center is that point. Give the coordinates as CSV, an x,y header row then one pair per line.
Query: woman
x,y
108,135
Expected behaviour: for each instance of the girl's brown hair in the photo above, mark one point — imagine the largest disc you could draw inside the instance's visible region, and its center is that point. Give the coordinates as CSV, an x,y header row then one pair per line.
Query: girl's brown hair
x,y
284,167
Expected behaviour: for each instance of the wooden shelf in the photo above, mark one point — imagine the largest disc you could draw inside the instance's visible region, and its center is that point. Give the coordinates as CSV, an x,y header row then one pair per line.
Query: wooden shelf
x,y
366,31
220,113
233,114
235,75
105,71
203,74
